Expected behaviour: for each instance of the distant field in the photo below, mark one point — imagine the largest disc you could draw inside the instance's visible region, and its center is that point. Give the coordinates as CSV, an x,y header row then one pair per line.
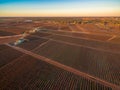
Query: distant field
x,y
13,29
88,42
96,29
4,33
115,40
41,34
82,35
52,27
95,43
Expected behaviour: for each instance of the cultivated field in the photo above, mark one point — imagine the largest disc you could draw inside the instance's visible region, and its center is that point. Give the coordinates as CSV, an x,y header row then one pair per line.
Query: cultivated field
x,y
97,63
40,75
4,33
31,43
8,55
59,53
99,37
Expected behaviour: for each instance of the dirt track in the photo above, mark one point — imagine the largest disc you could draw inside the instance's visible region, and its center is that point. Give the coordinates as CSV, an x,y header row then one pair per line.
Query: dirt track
x,y
8,39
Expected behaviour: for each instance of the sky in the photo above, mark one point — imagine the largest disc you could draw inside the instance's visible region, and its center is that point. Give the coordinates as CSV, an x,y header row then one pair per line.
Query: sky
x,y
59,8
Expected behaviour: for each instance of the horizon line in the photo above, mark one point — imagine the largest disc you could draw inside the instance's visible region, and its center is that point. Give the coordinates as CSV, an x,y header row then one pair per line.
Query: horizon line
x,y
59,16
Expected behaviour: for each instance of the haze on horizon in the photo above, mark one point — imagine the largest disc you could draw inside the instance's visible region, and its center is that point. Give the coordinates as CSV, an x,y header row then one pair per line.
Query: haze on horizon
x,y
58,8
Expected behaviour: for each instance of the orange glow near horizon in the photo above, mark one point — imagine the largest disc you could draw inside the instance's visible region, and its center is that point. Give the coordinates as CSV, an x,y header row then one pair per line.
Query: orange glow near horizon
x,y
47,14
61,8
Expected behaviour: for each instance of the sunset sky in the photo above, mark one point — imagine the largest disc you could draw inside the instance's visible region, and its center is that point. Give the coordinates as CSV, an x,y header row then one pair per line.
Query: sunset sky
x,y
59,8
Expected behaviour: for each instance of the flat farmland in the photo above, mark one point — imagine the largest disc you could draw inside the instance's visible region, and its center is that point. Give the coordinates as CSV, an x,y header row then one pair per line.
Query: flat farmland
x,y
96,63
13,29
37,74
87,42
31,42
42,34
3,47
80,35
51,27
59,53
9,39
115,40
64,28
76,28
94,29
102,45
17,27
4,33
8,54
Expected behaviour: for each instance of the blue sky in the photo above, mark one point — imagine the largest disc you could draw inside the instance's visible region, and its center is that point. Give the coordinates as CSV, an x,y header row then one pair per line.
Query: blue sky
x,y
59,7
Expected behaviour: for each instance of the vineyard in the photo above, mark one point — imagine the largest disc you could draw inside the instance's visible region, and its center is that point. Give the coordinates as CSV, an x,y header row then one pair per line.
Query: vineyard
x,y
4,33
2,47
65,28
31,43
41,34
40,75
59,53
87,42
97,63
7,55
94,28
81,41
81,35
51,27
115,40
13,29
